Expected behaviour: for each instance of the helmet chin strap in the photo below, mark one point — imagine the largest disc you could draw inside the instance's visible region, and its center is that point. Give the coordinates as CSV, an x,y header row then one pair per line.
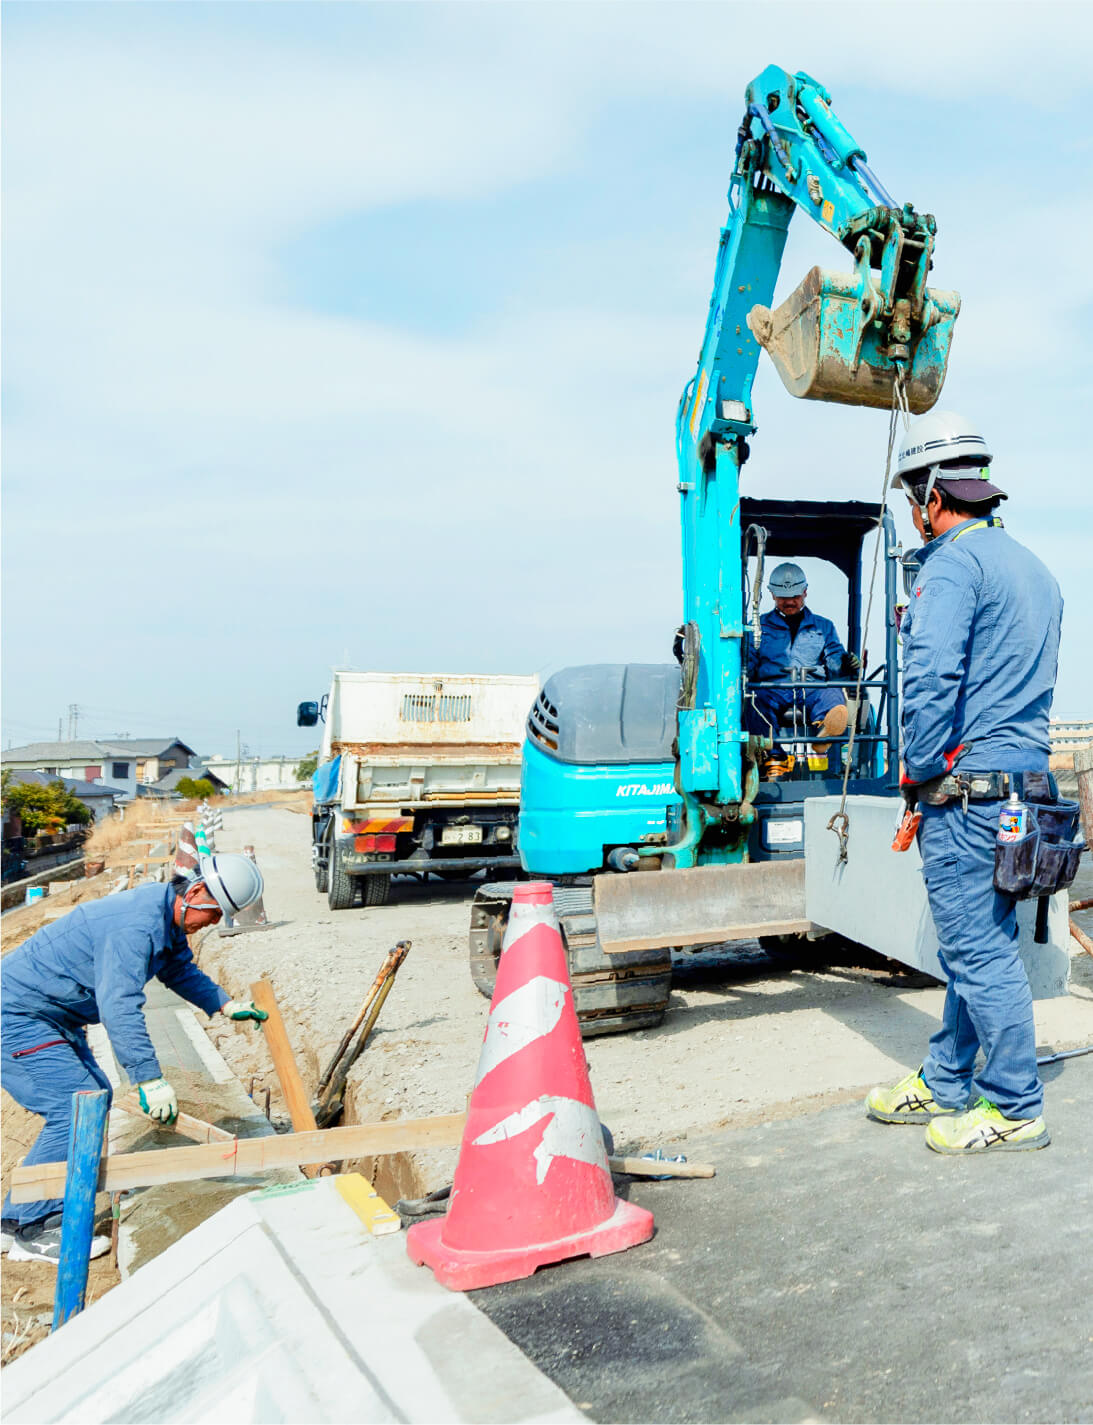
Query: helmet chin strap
x,y
927,531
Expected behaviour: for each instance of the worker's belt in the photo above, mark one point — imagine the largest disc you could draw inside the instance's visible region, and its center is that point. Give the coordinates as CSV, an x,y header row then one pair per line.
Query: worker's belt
x,y
968,787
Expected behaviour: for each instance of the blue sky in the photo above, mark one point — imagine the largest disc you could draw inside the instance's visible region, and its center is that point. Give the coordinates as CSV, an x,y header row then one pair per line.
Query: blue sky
x,y
355,332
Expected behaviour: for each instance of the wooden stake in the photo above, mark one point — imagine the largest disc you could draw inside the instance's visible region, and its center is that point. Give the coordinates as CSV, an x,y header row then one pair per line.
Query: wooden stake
x,y
284,1061
246,1156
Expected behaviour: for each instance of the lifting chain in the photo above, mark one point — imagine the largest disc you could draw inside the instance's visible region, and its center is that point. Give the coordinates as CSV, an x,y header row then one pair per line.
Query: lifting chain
x,y
840,821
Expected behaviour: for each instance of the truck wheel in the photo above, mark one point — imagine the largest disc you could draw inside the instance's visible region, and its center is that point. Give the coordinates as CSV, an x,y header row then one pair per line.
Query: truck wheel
x,y
322,877
612,994
375,890
340,890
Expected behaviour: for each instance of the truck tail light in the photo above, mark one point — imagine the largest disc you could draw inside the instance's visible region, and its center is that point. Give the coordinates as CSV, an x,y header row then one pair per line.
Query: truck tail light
x,y
372,842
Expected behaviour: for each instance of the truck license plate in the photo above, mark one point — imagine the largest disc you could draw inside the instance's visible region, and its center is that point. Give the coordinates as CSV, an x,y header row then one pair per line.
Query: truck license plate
x,y
460,835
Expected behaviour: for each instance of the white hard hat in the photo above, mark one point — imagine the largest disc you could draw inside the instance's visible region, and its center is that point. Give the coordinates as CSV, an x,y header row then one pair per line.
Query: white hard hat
x,y
234,881
787,581
935,439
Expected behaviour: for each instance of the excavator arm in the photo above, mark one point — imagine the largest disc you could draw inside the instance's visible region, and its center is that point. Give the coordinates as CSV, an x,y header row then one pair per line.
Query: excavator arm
x,y
844,337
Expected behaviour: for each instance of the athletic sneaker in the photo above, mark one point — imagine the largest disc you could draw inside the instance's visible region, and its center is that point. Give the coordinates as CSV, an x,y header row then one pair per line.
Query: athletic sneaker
x,y
41,1242
984,1129
8,1228
909,1101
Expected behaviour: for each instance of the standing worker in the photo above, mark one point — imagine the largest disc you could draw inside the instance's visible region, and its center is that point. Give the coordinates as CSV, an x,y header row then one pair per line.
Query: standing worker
x,y
90,967
980,652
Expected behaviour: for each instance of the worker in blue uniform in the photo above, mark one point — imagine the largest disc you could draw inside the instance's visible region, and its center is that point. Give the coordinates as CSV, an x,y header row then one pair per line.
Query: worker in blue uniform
x,y
980,651
91,966
801,646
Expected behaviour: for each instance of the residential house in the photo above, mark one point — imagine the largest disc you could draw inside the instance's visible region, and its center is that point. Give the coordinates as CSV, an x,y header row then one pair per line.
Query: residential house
x,y
122,763
100,800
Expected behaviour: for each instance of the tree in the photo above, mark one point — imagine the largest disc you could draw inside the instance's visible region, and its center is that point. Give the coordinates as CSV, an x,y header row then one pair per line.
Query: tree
x,y
305,769
198,791
50,808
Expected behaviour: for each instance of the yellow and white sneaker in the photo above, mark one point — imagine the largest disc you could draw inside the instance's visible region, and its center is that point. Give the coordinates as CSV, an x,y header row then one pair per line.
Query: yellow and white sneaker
x,y
984,1129
909,1101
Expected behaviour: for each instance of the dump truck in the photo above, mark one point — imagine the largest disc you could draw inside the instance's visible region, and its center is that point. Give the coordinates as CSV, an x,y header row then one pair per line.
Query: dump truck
x,y
419,774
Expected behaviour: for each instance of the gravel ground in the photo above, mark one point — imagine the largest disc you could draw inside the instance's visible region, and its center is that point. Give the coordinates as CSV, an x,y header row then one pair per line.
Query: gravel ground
x,y
742,1042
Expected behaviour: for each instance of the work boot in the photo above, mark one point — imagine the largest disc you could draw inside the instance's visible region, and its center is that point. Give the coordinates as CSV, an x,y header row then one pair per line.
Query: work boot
x,y
909,1101
832,724
776,766
985,1129
41,1242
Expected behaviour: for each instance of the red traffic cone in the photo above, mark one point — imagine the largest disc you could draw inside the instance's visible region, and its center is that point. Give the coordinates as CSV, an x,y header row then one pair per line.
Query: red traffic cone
x,y
532,1185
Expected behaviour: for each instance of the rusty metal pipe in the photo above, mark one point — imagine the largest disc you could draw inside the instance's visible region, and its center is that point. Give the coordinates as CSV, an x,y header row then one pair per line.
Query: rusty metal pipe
x,y
1082,939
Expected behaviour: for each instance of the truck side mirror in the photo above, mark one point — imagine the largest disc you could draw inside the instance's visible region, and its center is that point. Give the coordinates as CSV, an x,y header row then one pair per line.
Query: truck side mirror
x,y
307,714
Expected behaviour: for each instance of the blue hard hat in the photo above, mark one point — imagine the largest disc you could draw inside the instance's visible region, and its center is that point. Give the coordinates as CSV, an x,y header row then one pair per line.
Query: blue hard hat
x,y
787,581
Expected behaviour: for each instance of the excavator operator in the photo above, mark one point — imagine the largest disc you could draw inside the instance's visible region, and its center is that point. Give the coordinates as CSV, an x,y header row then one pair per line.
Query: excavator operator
x,y
800,646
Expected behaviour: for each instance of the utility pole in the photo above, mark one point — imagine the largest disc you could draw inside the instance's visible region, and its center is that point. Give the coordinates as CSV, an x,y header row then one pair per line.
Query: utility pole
x,y
59,737
238,752
73,721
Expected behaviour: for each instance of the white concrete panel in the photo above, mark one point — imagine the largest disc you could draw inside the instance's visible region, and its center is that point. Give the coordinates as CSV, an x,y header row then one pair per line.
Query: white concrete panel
x,y
878,897
281,1307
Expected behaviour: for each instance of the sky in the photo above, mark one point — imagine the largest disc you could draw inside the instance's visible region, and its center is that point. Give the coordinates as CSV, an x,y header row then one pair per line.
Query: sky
x,y
353,334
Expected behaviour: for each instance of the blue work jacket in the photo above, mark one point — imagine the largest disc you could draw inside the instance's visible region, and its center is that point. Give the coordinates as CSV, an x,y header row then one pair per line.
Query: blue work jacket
x,y
816,646
92,965
980,653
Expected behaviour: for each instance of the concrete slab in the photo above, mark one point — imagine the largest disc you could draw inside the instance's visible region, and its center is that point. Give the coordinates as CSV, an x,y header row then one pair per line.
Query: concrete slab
x,y
877,897
281,1307
836,1269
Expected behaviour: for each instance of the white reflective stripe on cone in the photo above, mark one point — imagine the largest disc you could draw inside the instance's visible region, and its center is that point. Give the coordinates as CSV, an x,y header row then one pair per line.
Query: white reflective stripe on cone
x,y
573,1131
524,917
529,1013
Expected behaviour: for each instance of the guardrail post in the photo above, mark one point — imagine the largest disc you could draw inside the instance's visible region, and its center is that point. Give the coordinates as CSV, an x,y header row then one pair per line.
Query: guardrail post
x,y
85,1145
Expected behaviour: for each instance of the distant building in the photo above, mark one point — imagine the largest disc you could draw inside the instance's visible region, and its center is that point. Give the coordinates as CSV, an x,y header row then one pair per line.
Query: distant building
x,y
256,774
168,786
124,764
100,800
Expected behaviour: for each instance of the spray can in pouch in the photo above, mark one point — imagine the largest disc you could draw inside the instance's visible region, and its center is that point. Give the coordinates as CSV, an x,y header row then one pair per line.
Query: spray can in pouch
x,y
1013,819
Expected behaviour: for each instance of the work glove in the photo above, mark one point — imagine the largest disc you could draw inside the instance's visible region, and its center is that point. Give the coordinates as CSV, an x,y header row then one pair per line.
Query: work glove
x,y
157,1099
850,665
243,1009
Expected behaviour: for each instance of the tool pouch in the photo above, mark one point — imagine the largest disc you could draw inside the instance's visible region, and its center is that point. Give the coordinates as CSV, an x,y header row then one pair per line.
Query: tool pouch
x,y
1045,859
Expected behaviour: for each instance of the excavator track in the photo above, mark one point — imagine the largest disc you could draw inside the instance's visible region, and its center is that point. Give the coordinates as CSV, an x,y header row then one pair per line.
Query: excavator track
x,y
612,993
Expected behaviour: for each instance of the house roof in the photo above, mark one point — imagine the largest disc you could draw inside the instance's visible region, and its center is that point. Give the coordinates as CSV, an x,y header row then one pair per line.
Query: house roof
x,y
94,751
169,782
147,746
55,752
83,790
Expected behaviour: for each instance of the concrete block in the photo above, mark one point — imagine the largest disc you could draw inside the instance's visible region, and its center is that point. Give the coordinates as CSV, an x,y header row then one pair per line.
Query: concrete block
x,y
281,1307
878,898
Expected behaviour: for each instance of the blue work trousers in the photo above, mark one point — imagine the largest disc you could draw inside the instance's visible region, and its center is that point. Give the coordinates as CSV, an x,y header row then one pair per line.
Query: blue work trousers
x,y
43,1067
988,1003
765,706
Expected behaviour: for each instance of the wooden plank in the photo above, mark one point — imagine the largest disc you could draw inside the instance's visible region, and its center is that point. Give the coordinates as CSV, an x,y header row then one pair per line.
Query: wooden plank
x,y
185,1124
284,1061
651,1168
246,1156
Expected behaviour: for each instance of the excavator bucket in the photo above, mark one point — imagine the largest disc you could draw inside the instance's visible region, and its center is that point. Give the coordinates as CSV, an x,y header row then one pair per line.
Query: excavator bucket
x,y
826,348
702,906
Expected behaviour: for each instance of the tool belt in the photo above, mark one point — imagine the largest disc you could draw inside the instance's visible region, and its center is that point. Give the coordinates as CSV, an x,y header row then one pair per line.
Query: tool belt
x,y
968,787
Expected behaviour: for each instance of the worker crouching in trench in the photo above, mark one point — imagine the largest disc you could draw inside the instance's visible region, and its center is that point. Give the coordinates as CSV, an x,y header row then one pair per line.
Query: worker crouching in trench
x,y
89,967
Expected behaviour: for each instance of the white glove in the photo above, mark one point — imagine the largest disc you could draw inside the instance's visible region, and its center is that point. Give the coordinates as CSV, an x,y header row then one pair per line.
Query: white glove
x,y
243,1009
158,1100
